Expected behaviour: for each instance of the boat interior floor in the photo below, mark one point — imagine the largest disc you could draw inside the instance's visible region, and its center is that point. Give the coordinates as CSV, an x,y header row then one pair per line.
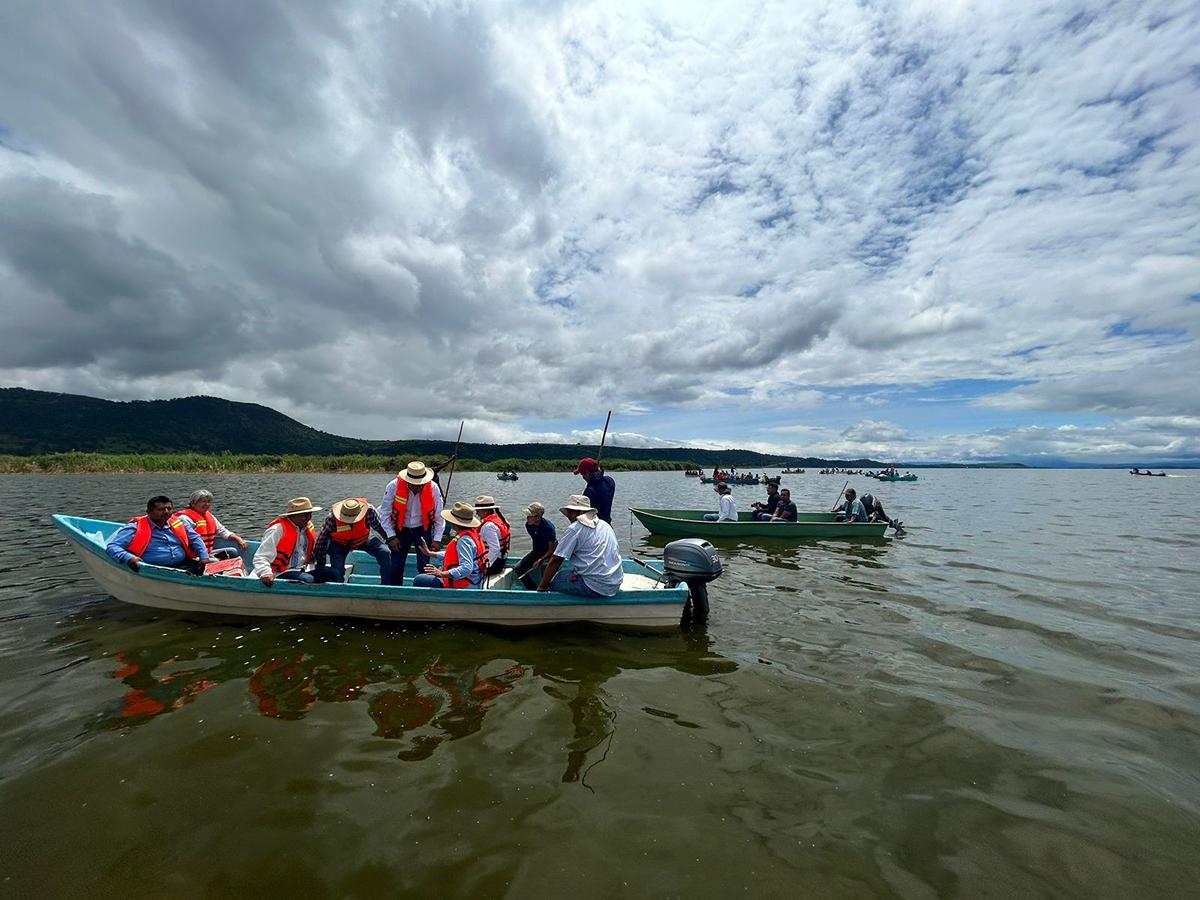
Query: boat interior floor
x,y
508,581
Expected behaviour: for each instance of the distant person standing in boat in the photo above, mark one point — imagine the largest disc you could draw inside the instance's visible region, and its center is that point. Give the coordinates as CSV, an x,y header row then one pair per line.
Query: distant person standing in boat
x,y
851,508
465,556
412,513
785,510
726,508
287,546
352,524
591,546
494,532
764,511
600,488
544,537
159,539
199,514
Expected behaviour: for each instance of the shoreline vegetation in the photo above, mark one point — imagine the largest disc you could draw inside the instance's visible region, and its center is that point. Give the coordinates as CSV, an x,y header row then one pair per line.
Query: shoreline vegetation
x,y
246,463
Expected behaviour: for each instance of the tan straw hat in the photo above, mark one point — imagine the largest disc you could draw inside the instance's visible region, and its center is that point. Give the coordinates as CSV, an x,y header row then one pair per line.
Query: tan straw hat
x,y
350,510
535,509
580,504
298,505
484,501
462,515
417,473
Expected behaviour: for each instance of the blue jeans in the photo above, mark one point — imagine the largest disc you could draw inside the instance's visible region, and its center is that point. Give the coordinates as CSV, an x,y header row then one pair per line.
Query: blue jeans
x,y
570,583
433,581
762,517
410,539
376,547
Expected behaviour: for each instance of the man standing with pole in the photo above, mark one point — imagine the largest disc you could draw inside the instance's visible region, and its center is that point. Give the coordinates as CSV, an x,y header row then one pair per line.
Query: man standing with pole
x,y
600,488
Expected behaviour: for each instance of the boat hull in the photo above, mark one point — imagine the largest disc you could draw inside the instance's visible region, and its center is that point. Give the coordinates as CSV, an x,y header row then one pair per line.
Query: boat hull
x,y
163,588
690,523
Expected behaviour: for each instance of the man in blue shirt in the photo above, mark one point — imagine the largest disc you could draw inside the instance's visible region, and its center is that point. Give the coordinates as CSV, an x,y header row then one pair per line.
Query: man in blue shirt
x,y
545,539
155,539
600,487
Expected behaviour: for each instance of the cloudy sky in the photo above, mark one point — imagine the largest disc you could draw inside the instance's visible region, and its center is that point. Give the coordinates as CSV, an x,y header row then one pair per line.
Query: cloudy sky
x,y
915,230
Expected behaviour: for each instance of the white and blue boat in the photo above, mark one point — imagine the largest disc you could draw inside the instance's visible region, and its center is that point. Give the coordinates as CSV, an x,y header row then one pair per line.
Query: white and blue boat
x,y
649,598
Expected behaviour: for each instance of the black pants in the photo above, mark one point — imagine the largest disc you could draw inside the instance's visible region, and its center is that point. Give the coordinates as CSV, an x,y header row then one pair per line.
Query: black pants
x,y
495,568
191,566
525,571
410,539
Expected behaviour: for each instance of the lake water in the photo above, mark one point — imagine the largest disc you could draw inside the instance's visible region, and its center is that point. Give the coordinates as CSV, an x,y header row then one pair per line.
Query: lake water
x,y
1003,703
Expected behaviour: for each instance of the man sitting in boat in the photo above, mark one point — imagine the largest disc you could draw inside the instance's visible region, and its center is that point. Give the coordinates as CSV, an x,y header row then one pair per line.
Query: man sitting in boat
x,y
287,547
785,510
412,508
544,537
764,511
876,513
347,528
851,509
494,532
600,488
159,539
591,546
209,527
726,508
464,558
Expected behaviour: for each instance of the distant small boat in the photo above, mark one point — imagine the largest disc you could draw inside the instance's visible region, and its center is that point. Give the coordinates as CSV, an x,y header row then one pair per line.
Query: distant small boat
x,y
691,523
1151,474
705,480
506,476
893,477
793,471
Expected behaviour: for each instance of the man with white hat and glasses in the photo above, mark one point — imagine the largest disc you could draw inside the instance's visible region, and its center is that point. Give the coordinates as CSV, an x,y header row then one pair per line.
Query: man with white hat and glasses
x,y
412,514
286,550
591,546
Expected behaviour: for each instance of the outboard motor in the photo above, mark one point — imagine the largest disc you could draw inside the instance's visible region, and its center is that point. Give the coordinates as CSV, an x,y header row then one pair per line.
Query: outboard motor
x,y
694,562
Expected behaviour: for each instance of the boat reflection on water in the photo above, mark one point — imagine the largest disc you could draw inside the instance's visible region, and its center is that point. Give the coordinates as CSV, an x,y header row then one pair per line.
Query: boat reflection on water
x,y
421,687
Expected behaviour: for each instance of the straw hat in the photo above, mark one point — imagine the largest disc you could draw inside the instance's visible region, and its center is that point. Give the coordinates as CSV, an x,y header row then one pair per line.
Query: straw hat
x,y
461,515
483,501
535,509
417,473
350,510
299,505
580,504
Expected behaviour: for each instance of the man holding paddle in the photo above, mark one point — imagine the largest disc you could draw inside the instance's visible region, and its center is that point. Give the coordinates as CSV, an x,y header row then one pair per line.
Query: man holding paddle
x,y
600,488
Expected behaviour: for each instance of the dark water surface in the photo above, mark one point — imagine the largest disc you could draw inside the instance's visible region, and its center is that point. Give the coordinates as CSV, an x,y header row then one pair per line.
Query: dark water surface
x,y
1003,703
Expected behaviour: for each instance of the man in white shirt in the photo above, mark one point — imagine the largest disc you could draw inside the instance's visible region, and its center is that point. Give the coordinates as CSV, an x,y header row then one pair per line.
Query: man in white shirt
x,y
591,546
412,512
727,510
286,550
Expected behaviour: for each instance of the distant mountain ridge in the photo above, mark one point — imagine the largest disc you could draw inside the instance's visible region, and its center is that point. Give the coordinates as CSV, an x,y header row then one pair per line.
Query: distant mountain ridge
x,y
36,422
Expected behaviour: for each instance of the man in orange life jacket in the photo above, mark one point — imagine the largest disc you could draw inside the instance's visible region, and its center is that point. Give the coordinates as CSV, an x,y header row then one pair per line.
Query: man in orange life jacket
x,y
464,559
287,546
349,527
494,532
155,539
412,513
208,526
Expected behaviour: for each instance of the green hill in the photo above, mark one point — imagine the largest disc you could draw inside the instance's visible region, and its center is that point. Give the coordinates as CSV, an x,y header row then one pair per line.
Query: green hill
x,y
38,422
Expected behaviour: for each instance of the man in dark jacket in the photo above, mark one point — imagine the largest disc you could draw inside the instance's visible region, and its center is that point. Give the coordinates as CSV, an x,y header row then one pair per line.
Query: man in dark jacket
x,y
600,488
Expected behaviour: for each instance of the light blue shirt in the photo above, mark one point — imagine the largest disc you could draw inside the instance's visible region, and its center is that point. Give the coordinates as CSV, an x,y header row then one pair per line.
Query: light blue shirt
x,y
854,510
468,564
164,548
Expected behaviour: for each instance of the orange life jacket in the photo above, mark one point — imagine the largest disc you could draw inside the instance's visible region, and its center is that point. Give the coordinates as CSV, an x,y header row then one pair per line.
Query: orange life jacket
x,y
204,523
287,543
505,531
451,559
141,537
400,504
353,535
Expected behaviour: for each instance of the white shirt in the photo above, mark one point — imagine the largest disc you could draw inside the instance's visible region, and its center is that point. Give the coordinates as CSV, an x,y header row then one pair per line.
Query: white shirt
x,y
489,533
265,554
727,512
412,510
594,555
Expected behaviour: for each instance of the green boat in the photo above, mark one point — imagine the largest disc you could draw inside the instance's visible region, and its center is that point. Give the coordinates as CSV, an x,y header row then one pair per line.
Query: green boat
x,y
691,523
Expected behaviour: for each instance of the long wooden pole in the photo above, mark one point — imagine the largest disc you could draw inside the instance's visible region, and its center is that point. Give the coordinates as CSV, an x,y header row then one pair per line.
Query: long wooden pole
x,y
842,491
453,462
603,437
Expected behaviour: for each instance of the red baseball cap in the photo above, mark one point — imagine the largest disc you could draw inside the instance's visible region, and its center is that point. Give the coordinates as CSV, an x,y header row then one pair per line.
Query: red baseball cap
x,y
587,464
